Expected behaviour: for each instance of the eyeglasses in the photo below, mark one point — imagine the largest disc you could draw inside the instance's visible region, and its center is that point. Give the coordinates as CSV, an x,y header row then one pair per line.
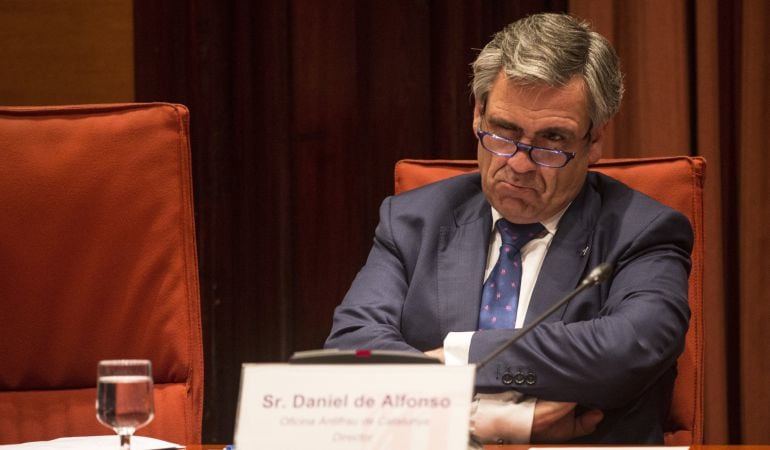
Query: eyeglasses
x,y
542,156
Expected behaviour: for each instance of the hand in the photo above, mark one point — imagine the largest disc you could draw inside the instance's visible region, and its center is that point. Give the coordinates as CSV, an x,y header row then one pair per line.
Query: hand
x,y
557,422
437,353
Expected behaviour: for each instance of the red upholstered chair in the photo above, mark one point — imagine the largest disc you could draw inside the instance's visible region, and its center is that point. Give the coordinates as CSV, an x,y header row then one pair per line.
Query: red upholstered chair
x,y
675,181
97,261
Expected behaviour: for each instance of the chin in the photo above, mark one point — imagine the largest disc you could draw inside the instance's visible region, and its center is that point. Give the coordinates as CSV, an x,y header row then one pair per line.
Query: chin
x,y
518,214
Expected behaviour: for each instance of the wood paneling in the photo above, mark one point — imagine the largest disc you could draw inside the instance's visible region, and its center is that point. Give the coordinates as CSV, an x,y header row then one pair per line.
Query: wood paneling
x,y
754,191
55,52
708,144
230,64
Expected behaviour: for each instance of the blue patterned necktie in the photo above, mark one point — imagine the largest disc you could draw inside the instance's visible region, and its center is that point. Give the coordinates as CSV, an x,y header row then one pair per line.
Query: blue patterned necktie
x,y
500,298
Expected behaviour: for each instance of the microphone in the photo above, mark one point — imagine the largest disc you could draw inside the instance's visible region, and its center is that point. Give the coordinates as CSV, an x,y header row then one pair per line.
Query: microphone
x,y
597,275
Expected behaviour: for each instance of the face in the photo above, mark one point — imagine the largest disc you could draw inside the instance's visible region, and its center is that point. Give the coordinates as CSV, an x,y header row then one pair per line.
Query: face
x,y
544,116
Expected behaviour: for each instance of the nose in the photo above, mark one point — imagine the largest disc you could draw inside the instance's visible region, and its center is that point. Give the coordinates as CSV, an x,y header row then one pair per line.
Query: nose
x,y
520,162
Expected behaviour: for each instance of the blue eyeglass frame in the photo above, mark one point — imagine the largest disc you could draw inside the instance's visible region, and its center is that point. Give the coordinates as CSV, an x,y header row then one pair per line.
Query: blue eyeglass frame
x,y
525,147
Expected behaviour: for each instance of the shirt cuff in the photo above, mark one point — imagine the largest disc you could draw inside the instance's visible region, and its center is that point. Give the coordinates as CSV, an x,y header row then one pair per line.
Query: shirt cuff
x,y
457,347
502,418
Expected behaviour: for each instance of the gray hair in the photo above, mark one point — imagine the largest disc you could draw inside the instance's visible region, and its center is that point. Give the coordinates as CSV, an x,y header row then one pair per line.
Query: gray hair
x,y
551,49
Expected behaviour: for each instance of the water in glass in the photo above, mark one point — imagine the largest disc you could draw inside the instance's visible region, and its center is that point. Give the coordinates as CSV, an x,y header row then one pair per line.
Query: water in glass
x,y
124,400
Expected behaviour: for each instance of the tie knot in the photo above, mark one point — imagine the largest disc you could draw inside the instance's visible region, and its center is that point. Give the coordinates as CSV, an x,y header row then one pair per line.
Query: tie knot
x,y
517,235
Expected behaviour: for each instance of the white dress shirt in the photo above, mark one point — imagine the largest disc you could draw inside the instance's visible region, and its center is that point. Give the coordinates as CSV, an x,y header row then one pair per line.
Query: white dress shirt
x,y
504,417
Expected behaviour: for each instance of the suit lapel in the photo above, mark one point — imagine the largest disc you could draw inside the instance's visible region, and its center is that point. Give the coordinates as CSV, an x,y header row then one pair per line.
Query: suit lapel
x,y
567,256
461,259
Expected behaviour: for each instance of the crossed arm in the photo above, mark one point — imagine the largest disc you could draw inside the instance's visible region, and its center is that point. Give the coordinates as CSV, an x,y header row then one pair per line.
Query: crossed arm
x,y
553,421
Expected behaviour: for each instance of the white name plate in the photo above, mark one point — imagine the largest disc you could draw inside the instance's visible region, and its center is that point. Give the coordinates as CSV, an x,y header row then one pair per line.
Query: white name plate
x,y
608,447
341,406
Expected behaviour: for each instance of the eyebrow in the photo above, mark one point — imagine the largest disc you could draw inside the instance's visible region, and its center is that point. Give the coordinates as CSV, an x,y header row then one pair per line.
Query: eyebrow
x,y
502,123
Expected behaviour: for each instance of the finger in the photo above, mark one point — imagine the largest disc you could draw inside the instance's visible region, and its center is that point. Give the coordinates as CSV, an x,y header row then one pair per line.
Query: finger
x,y
437,353
549,412
549,407
587,422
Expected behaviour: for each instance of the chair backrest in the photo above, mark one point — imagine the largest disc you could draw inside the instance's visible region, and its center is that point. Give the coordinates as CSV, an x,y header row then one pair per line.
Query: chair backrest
x,y
675,181
97,261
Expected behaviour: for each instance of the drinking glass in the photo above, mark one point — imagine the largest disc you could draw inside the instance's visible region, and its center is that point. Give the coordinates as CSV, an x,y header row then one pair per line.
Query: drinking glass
x,y
124,396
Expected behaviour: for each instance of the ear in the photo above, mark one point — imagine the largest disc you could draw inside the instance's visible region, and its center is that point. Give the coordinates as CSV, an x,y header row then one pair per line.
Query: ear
x,y
595,146
478,110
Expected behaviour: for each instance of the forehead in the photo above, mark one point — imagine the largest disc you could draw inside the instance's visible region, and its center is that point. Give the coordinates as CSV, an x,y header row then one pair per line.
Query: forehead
x,y
538,104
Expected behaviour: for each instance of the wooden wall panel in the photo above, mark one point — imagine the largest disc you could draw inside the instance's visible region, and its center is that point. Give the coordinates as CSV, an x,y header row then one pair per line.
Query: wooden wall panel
x,y
656,66
710,144
55,52
229,63
754,191
324,151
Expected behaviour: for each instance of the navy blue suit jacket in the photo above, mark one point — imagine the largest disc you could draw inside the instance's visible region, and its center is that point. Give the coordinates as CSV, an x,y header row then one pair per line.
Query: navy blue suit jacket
x,y
613,347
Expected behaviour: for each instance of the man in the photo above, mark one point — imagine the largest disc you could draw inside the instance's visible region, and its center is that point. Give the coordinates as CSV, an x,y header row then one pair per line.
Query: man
x,y
600,369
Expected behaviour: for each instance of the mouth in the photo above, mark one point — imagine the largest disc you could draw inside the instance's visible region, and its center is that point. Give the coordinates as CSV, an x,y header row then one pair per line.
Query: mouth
x,y
516,187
